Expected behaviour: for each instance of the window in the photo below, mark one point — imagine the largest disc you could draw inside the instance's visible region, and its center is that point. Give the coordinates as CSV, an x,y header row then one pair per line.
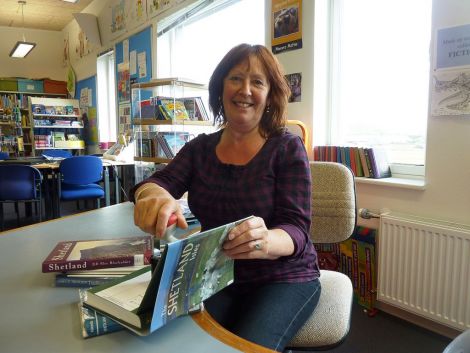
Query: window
x,y
372,74
106,98
190,45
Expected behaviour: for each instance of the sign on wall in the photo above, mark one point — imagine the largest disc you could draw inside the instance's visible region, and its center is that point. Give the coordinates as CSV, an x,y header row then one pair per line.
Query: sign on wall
x,y
286,28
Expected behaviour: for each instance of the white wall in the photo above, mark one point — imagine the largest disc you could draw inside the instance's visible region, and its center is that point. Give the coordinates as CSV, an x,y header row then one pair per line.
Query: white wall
x,y
44,61
447,193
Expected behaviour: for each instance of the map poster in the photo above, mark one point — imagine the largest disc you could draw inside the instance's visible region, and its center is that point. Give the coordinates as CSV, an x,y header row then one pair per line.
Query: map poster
x,y
286,29
451,92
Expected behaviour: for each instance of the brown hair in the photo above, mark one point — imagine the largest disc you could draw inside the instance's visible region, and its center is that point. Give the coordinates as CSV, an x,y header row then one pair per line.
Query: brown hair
x,y
274,118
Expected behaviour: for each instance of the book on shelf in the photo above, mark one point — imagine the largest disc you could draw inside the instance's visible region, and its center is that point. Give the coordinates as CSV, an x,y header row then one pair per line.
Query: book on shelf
x,y
78,255
173,109
379,163
93,323
195,108
189,271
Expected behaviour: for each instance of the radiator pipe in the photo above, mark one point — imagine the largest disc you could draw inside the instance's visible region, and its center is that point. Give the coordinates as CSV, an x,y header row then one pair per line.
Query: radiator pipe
x,y
367,214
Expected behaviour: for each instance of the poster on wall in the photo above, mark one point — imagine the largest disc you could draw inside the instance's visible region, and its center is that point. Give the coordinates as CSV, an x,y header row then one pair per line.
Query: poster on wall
x,y
453,47
137,13
295,84
451,92
156,7
123,84
286,29
118,18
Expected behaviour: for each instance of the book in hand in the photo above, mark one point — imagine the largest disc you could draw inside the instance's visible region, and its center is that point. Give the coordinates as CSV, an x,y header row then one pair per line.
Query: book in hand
x,y
93,323
79,255
190,270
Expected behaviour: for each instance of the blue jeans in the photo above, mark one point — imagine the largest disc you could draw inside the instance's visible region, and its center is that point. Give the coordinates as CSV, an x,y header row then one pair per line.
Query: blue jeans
x,y
267,314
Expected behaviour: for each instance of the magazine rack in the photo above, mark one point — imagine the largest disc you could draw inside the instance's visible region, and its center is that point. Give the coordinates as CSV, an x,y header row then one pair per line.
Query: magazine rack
x,y
166,113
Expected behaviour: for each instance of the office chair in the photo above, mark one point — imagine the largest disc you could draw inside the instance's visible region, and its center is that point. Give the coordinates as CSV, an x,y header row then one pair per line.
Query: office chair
x,y
79,179
19,183
4,155
460,344
333,220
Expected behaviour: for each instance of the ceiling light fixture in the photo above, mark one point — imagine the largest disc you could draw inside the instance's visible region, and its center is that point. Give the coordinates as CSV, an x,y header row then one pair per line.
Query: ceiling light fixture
x,y
72,1
22,48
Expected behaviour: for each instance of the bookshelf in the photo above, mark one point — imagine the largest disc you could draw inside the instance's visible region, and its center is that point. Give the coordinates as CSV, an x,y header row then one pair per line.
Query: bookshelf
x,y
16,135
166,113
55,123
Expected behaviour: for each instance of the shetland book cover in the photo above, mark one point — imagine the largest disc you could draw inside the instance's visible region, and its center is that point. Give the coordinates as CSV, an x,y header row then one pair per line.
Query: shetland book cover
x,y
80,255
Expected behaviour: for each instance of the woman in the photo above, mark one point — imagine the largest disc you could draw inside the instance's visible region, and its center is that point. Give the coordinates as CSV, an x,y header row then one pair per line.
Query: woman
x,y
252,166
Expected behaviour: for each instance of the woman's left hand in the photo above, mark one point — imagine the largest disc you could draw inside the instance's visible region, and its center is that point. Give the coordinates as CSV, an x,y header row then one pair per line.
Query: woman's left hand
x,y
252,240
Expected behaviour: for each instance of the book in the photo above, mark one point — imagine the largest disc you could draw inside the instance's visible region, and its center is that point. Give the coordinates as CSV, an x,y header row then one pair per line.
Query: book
x,y
379,163
174,109
93,323
365,168
94,254
190,270
64,280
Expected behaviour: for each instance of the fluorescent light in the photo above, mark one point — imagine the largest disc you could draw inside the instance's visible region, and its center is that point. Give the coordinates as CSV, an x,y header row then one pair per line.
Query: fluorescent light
x,y
21,49
72,1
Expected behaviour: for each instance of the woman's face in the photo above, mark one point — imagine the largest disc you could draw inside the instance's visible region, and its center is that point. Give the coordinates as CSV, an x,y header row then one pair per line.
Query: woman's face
x,y
245,94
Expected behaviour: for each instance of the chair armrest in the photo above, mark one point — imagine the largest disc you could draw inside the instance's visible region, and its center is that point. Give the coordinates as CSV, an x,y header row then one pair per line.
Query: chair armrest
x,y
213,328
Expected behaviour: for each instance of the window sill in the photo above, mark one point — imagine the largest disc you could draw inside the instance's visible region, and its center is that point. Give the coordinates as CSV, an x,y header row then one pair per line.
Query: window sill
x,y
399,182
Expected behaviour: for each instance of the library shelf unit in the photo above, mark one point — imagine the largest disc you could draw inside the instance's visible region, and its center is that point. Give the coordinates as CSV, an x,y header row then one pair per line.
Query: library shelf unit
x,y
56,124
166,113
15,127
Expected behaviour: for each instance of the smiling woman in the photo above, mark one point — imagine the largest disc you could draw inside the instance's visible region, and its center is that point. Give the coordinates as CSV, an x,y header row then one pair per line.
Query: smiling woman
x,y
251,166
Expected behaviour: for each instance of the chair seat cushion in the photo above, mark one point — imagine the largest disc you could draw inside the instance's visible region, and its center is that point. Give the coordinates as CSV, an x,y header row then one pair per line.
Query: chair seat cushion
x,y
329,323
79,192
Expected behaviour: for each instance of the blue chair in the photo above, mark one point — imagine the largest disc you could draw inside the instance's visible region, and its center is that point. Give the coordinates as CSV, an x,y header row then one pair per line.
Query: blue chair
x,y
4,155
57,154
79,179
19,183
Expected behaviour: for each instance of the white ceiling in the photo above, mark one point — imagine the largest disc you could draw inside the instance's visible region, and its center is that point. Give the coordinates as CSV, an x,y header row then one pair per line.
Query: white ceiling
x,y
51,15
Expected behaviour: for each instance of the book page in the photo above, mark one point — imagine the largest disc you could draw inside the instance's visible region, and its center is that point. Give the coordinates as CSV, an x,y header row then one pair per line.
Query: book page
x,y
128,294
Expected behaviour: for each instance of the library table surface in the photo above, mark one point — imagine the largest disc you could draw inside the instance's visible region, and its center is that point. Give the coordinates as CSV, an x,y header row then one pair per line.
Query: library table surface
x,y
38,317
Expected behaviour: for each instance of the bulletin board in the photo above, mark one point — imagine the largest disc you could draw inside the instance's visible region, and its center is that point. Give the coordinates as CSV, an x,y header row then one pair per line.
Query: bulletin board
x,y
137,51
85,92
133,64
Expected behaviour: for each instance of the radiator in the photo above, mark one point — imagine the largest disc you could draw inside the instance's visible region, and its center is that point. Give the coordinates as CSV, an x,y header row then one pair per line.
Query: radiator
x,y
424,268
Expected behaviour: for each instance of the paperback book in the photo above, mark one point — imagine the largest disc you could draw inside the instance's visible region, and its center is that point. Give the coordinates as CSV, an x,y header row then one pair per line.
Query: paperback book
x,y
189,271
79,255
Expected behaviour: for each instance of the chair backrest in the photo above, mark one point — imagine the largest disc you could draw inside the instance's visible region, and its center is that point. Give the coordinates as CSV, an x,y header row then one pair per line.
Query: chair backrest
x,y
80,170
4,155
19,182
334,213
460,344
57,154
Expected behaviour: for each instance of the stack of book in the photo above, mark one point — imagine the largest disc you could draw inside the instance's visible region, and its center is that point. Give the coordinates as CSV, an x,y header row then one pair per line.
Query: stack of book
x,y
189,271
89,263
86,263
363,161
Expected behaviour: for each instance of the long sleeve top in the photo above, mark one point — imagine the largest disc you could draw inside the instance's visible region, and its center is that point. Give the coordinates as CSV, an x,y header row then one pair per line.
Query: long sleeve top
x,y
274,185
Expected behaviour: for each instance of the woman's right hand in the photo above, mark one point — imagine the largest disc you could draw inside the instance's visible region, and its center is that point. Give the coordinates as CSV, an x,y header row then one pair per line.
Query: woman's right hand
x,y
153,208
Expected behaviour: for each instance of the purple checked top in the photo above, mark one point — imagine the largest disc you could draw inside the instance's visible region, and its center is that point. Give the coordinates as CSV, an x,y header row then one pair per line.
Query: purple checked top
x,y
274,185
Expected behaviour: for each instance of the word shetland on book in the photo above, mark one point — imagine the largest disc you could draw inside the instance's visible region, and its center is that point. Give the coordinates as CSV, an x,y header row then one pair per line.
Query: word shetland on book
x,y
189,271
82,255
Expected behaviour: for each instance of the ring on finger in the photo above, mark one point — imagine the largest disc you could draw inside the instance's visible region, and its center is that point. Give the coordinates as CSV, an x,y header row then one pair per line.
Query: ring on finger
x,y
258,246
